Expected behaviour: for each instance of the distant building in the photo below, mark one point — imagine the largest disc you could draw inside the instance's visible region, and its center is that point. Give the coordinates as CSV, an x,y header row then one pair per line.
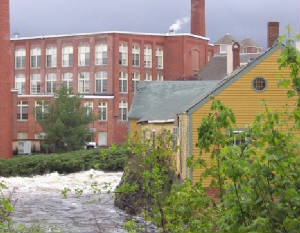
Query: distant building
x,y
247,45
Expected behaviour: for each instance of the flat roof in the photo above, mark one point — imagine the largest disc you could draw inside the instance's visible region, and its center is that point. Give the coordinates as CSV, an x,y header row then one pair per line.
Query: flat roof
x,y
110,32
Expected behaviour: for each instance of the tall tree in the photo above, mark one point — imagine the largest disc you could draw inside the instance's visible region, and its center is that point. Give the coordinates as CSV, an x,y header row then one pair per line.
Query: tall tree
x,y
65,123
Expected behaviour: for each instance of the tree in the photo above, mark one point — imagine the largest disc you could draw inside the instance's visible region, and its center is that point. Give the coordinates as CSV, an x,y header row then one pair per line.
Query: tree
x,y
65,123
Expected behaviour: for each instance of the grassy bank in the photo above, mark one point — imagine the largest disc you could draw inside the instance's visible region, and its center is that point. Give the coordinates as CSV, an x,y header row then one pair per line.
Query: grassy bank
x,y
111,159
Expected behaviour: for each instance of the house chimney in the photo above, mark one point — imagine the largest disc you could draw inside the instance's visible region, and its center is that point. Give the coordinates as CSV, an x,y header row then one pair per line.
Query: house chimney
x,y
229,60
5,88
273,33
236,55
198,17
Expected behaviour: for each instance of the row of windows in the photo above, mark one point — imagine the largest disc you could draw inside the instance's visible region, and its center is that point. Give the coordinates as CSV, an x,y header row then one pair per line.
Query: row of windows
x,y
101,54
83,82
42,108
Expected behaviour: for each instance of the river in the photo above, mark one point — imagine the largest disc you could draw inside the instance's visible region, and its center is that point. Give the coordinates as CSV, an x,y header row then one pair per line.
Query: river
x,y
40,198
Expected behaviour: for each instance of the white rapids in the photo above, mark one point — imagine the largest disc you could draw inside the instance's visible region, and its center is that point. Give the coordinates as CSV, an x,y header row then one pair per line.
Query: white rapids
x,y
40,198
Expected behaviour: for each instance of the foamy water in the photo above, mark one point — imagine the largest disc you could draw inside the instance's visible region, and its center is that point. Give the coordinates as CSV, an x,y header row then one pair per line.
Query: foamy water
x,y
40,198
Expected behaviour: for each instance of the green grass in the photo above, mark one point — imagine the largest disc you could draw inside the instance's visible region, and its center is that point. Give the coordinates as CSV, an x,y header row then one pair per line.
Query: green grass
x,y
111,159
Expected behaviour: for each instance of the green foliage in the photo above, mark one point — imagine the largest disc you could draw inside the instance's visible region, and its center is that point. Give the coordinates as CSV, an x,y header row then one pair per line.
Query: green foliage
x,y
65,123
103,159
148,177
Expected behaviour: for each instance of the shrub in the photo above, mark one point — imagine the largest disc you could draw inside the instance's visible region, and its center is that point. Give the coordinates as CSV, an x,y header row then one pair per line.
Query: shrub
x,y
111,159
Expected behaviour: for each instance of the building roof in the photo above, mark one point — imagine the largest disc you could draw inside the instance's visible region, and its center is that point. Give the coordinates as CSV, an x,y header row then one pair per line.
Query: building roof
x,y
248,42
216,69
110,32
228,80
227,39
162,101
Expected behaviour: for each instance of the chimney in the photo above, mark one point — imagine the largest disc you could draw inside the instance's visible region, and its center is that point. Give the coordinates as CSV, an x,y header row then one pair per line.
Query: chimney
x,y
233,57
198,17
5,76
236,55
229,59
273,33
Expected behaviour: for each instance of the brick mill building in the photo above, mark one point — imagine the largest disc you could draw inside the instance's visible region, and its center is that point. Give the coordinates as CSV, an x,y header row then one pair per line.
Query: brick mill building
x,y
102,67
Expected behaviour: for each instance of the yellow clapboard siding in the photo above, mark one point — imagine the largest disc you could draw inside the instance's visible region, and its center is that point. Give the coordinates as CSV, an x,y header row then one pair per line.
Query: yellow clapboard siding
x,y
245,102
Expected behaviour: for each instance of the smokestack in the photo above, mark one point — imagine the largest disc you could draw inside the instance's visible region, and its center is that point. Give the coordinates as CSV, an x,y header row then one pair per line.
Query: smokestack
x,y
273,33
236,55
198,17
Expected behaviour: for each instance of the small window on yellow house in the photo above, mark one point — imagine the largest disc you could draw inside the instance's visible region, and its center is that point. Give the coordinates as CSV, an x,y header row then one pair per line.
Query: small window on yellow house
x,y
259,84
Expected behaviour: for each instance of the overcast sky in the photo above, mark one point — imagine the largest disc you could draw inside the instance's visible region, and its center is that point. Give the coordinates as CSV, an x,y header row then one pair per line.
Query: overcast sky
x,y
240,18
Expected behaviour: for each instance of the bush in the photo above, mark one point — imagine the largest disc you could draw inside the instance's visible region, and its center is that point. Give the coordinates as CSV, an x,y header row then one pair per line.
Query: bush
x,y
111,159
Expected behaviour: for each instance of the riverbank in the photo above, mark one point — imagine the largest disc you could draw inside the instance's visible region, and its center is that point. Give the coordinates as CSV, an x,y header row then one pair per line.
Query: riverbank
x,y
111,159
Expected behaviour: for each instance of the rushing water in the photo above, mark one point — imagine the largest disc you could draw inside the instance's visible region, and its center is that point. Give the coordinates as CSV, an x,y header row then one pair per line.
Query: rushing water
x,y
40,198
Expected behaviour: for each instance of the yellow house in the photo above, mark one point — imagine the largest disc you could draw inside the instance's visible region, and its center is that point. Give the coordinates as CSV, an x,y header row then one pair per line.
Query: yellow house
x,y
243,90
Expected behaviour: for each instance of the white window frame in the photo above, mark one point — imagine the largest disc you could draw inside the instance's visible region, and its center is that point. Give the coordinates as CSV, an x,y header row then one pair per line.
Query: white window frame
x,y
159,77
89,107
22,110
136,77
20,58
159,58
67,80
136,55
20,82
43,105
84,55
35,84
148,77
67,56
148,56
35,58
102,111
101,79
51,83
84,82
101,54
123,82
123,110
51,57
123,54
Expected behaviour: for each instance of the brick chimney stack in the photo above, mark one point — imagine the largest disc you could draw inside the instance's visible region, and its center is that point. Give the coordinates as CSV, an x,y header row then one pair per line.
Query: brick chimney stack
x,y
273,33
198,17
5,87
236,55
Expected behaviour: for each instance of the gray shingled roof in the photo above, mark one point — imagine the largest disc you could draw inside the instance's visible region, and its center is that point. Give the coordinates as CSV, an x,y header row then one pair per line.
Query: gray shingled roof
x,y
248,42
162,101
227,39
216,69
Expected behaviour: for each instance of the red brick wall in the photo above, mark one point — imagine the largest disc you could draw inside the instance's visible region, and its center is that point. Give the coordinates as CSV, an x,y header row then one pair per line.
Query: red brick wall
x,y
5,87
178,60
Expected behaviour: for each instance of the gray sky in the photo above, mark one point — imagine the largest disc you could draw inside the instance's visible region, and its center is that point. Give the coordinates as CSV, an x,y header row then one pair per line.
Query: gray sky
x,y
241,18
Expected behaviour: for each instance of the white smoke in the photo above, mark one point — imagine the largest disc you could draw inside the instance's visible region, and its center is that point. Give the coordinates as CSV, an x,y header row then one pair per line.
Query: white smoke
x,y
178,24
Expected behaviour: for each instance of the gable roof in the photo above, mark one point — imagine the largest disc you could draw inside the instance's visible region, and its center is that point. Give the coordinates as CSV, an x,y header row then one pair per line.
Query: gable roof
x,y
228,80
216,69
162,101
227,39
248,42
